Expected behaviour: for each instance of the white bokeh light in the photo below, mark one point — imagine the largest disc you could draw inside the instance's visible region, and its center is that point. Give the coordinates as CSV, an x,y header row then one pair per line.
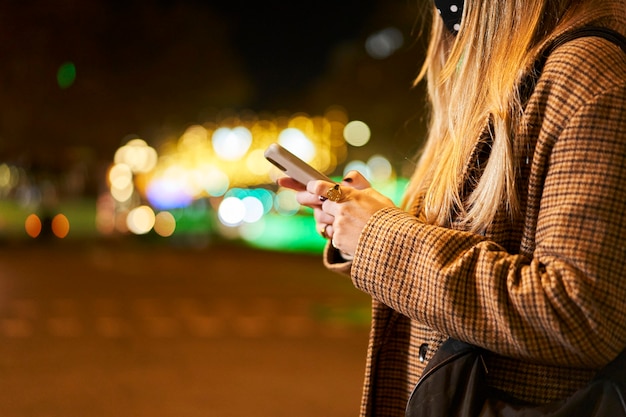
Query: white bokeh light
x,y
140,220
297,143
139,157
121,179
384,43
231,144
380,168
357,133
120,175
231,211
254,209
359,166
123,194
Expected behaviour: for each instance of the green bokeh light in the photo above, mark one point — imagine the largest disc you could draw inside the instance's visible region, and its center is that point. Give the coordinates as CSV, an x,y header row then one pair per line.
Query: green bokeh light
x,y
66,75
289,234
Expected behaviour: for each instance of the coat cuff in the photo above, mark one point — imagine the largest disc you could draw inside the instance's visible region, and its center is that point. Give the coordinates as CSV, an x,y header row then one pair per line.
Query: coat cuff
x,y
334,261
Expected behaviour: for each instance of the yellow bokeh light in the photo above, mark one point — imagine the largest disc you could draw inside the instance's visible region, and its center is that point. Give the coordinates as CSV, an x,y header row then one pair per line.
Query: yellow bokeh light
x,y
5,175
256,163
194,137
121,182
122,194
140,220
164,224
286,203
137,155
209,159
120,176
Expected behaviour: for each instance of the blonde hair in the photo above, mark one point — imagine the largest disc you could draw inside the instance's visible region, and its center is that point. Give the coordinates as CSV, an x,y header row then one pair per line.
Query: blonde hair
x,y
472,79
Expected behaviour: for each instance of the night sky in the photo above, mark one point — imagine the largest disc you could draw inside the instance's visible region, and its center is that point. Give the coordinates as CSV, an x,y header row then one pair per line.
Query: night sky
x,y
151,68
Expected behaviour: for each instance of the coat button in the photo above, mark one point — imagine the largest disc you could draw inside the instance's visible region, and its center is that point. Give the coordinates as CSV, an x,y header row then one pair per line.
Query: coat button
x,y
422,352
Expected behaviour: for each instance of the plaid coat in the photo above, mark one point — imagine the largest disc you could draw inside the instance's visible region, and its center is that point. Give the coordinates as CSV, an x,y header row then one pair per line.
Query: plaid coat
x,y
544,294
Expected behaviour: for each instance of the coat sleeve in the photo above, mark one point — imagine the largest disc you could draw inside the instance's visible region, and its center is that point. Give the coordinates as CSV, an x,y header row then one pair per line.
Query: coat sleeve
x,y
562,306
334,261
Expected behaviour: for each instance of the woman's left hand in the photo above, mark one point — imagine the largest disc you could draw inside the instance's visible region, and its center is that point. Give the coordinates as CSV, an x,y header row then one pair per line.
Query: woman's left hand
x,y
357,204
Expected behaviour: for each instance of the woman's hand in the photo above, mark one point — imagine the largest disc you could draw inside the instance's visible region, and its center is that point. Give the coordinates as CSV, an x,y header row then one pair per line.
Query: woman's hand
x,y
323,220
348,216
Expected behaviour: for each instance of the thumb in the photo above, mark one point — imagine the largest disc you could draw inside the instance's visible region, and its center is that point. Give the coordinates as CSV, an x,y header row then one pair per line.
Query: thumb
x,y
356,179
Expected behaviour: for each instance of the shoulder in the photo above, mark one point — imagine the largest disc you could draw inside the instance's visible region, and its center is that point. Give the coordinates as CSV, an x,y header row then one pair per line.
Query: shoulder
x,y
586,66
579,73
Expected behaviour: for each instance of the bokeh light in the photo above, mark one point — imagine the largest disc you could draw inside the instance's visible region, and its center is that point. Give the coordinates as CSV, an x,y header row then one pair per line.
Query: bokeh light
x,y
140,220
231,144
33,225
213,180
137,155
285,202
164,224
66,75
105,214
359,166
357,133
256,162
214,177
9,178
121,182
169,192
231,211
60,226
384,43
380,168
297,143
253,209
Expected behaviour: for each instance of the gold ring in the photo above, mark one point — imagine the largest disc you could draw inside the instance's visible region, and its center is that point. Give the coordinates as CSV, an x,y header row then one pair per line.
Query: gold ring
x,y
323,231
334,193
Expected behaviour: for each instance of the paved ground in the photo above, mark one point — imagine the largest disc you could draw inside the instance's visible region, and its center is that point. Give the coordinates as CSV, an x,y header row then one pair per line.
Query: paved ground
x,y
149,330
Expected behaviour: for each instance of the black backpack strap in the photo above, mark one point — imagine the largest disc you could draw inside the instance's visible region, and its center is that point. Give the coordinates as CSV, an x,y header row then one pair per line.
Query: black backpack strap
x,y
582,32
587,31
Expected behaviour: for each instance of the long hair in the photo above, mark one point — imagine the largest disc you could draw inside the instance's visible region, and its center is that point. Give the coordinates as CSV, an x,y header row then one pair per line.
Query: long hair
x,y
473,81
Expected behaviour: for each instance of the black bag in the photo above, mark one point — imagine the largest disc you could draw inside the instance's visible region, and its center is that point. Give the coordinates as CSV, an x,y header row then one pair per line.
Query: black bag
x,y
453,385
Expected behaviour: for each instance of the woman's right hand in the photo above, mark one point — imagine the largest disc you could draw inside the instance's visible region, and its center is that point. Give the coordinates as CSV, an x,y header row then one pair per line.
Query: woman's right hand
x,y
323,220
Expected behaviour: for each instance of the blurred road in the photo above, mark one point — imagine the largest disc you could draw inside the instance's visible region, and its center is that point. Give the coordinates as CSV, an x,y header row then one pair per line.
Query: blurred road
x,y
104,329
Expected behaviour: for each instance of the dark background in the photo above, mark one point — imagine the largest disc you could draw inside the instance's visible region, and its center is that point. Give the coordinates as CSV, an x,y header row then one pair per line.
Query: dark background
x,y
139,327
152,68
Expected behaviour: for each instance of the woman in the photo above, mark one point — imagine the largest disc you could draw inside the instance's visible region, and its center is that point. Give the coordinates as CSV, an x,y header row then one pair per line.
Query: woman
x,y
512,232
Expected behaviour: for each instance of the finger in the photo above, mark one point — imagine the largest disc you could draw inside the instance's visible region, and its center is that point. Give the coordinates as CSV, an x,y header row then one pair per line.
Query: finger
x,y
289,182
330,231
325,230
319,188
356,180
322,217
331,208
305,198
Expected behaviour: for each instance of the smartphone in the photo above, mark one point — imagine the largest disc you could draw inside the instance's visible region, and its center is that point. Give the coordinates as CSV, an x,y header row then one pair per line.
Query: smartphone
x,y
293,166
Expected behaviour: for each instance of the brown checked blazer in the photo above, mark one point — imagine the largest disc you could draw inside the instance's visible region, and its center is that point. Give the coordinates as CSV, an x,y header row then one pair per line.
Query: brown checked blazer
x,y
546,293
